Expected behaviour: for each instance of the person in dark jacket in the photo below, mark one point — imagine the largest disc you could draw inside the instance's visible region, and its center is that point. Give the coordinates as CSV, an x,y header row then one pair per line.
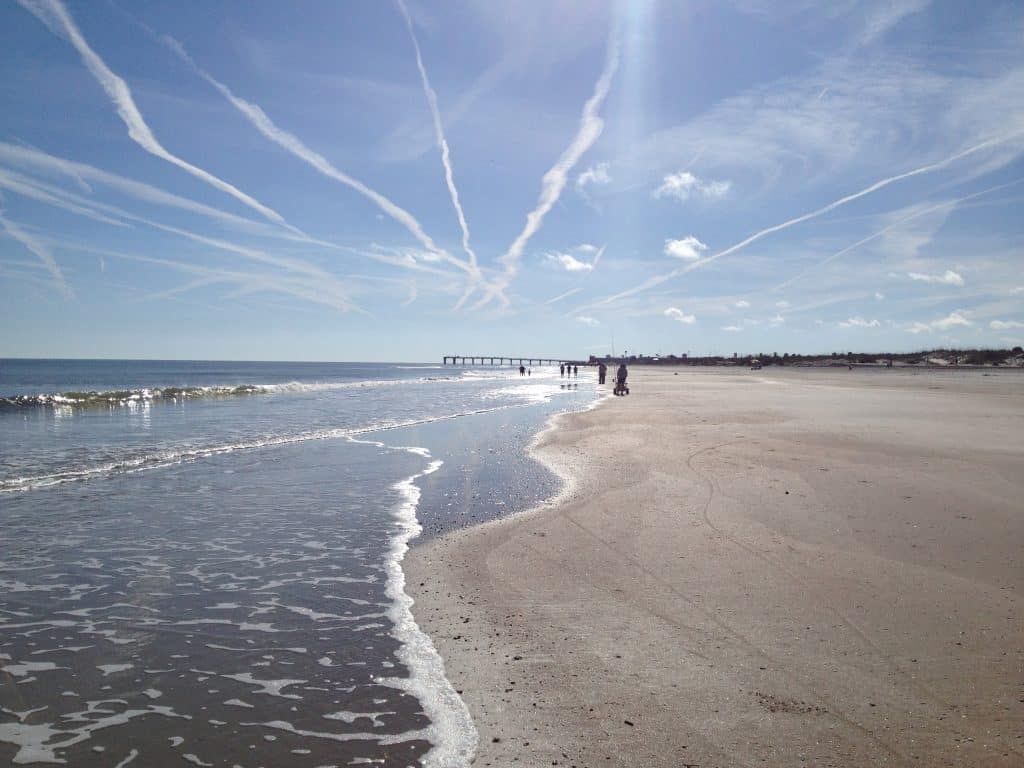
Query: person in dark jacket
x,y
620,380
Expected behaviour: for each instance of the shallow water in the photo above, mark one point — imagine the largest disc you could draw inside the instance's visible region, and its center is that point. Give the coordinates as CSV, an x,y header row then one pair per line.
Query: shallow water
x,y
245,606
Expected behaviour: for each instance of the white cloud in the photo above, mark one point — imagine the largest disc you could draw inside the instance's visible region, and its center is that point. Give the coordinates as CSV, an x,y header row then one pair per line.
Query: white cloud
x,y
677,314
1005,325
952,320
684,185
591,321
597,174
782,304
568,262
776,321
742,304
879,296
949,277
858,322
731,328
688,248
586,248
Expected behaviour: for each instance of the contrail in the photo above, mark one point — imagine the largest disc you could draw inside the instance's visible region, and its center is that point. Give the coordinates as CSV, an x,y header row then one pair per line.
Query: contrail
x,y
579,287
68,201
590,128
659,279
75,204
57,19
39,250
312,289
894,225
44,193
40,161
262,122
561,296
37,160
442,142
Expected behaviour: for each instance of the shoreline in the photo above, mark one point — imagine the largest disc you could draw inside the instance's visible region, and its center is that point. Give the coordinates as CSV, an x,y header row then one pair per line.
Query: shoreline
x,y
726,578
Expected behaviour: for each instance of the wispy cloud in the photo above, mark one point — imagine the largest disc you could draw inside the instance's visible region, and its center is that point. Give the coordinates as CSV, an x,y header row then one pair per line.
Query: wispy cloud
x,y
568,262
413,294
879,296
593,322
41,251
949,277
886,16
950,321
683,185
742,304
859,322
731,328
687,249
311,286
57,19
917,211
881,184
595,175
1005,325
677,314
442,142
590,127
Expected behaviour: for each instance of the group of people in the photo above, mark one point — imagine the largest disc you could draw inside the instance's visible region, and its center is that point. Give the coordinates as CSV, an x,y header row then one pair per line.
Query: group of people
x,y
602,373
620,377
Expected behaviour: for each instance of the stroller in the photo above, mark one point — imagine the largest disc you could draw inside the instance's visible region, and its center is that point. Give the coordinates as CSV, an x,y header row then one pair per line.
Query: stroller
x,y
621,388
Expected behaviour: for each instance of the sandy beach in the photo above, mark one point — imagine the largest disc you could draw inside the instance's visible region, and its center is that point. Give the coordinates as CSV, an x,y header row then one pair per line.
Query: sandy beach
x,y
783,567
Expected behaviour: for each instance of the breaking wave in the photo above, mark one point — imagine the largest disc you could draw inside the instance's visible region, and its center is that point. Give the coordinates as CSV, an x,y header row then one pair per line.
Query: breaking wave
x,y
129,397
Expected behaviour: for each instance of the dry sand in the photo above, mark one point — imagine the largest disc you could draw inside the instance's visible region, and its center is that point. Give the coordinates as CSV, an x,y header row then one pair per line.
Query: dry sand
x,y
783,568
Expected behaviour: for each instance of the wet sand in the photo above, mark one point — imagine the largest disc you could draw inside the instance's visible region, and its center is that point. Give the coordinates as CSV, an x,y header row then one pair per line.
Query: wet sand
x,y
783,567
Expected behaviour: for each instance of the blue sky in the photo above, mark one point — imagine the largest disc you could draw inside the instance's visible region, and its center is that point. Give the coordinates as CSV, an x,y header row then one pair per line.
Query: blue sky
x,y
379,181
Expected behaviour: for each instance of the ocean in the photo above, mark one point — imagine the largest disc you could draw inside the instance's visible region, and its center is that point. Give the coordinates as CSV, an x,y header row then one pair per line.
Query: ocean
x,y
200,562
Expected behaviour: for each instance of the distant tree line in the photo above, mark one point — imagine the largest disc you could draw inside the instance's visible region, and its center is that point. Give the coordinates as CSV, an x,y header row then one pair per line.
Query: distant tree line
x,y
940,356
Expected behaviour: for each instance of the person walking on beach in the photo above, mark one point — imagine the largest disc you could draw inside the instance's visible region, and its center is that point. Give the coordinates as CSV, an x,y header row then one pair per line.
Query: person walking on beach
x,y
602,372
522,370
529,371
561,370
576,371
